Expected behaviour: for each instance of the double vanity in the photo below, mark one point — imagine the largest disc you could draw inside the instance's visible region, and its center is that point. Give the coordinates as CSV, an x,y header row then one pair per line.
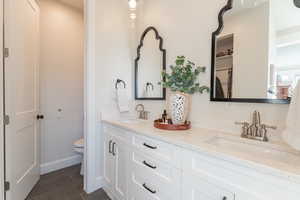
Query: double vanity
x,y
251,63
145,163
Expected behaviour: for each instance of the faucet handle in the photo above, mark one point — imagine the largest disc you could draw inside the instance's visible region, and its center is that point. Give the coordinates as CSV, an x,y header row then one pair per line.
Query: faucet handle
x,y
245,128
270,127
263,131
242,123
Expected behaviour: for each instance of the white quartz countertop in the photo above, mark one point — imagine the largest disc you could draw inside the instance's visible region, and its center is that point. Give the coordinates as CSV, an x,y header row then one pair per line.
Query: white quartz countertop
x,y
272,158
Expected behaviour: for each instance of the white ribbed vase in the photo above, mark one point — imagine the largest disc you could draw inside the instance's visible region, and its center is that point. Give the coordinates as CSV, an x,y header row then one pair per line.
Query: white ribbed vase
x,y
179,107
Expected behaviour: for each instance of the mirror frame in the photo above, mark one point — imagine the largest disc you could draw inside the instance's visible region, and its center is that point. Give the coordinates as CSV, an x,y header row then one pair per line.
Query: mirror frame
x,y
136,65
226,8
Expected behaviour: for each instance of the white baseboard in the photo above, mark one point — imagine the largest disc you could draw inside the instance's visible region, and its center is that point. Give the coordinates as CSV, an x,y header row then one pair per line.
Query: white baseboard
x,y
99,182
60,164
109,193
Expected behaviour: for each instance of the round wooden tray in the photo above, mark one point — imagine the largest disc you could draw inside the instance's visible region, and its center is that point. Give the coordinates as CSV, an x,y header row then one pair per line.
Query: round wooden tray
x,y
172,127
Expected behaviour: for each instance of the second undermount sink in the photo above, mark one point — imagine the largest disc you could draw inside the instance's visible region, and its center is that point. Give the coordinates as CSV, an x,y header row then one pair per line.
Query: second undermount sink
x,y
255,149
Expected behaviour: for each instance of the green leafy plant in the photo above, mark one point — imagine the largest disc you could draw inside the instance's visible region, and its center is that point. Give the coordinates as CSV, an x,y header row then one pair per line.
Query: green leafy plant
x,y
183,77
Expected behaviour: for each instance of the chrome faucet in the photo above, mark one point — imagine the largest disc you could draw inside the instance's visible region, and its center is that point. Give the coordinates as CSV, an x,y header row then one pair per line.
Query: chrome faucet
x,y
140,108
256,130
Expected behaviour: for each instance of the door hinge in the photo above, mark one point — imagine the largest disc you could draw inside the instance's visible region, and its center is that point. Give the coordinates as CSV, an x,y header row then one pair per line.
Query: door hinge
x,y
6,186
6,120
6,52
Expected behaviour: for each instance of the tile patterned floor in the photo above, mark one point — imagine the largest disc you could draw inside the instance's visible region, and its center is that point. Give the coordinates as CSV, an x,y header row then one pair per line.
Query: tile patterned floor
x,y
65,184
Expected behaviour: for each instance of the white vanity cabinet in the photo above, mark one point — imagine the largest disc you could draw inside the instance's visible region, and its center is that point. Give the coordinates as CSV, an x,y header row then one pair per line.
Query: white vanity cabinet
x,y
138,167
116,163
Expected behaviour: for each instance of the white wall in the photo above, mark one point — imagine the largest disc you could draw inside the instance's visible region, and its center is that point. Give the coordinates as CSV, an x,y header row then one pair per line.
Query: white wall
x,y
62,46
108,58
251,51
186,29
288,56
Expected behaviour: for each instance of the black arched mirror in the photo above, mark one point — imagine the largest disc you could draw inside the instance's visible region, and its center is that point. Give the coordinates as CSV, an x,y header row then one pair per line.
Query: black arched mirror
x,y
255,49
149,64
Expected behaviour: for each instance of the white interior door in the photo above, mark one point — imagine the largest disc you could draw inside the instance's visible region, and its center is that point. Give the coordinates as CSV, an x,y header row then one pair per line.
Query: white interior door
x,y
22,97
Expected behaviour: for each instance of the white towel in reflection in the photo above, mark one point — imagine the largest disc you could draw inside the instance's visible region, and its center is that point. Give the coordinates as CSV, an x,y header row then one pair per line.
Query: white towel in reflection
x,y
292,132
123,100
149,93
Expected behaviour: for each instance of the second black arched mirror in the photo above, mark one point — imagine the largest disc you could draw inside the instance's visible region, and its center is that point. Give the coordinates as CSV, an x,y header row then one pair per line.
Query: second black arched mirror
x,y
149,63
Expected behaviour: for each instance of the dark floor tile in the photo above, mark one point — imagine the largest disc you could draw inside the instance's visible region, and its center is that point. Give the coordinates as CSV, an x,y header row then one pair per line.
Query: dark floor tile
x,y
65,184
98,195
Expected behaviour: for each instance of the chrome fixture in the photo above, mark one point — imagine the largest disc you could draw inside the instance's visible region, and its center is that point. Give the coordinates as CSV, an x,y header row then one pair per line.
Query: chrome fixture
x,y
140,108
256,130
119,81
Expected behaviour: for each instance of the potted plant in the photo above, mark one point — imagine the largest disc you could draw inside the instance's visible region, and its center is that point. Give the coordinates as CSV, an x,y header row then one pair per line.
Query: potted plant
x,y
183,82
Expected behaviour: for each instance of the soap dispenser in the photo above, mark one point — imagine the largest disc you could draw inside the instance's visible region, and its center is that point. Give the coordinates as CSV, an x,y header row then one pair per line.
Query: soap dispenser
x,y
165,117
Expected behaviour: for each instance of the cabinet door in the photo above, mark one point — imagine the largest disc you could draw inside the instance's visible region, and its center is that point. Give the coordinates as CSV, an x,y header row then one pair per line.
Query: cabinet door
x,y
121,167
109,163
196,189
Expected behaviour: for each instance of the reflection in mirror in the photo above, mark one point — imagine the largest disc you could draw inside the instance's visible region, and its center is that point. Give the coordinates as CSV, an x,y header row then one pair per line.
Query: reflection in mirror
x,y
149,64
256,52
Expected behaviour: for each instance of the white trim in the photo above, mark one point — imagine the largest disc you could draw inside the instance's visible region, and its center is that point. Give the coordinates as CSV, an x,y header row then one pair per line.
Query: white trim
x,y
109,193
100,182
1,104
90,179
60,164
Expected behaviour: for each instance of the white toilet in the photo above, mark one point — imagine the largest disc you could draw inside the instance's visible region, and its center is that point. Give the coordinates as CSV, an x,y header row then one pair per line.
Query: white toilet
x,y
78,147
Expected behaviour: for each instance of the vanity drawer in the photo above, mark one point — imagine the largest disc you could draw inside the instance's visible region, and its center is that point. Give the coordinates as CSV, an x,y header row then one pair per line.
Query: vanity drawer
x,y
120,133
144,185
154,168
157,149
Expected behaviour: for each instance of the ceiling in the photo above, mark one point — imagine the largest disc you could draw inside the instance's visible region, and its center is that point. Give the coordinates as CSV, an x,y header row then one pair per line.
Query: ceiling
x,y
75,3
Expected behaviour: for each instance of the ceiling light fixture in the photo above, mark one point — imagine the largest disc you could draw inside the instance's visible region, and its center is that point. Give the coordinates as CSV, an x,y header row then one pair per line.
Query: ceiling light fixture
x,y
132,4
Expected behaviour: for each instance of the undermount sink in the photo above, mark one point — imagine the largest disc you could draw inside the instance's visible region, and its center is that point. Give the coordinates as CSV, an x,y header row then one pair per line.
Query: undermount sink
x,y
255,149
130,121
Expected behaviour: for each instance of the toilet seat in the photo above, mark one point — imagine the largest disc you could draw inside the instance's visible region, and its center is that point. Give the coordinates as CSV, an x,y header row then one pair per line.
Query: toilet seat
x,y
79,143
79,150
78,147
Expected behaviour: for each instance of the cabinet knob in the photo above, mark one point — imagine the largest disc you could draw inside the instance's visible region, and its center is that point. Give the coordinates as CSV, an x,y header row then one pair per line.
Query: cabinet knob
x,y
38,117
224,198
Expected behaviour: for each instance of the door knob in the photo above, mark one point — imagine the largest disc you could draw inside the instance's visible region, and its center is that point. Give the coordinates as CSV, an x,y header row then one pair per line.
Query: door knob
x,y
38,117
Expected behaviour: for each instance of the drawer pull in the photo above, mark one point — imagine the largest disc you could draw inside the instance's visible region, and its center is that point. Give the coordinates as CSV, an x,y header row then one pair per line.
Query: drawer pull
x,y
109,146
147,188
149,146
224,198
114,149
148,165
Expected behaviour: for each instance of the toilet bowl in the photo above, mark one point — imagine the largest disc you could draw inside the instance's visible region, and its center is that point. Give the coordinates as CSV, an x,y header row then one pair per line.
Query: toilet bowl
x,y
78,147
